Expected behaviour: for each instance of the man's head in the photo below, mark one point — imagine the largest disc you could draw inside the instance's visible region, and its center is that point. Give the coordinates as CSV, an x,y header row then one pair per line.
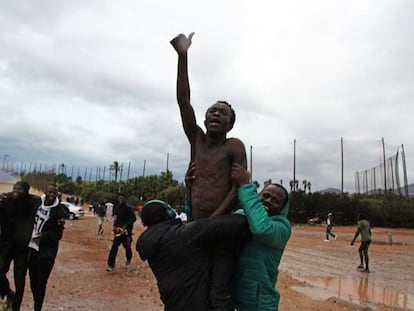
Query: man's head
x,y
20,189
51,194
155,211
220,117
121,198
274,197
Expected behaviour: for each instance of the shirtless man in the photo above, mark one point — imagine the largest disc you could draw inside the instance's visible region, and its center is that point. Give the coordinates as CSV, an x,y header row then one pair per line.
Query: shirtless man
x,y
212,192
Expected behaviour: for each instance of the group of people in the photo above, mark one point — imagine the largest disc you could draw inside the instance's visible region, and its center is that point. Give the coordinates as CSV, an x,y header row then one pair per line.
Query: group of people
x,y
223,256
30,230
228,256
234,226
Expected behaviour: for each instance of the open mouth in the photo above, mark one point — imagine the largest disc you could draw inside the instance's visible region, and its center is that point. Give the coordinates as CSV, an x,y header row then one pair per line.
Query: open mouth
x,y
214,122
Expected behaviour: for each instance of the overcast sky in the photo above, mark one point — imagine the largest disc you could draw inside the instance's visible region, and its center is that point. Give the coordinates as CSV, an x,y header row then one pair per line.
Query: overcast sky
x,y
87,83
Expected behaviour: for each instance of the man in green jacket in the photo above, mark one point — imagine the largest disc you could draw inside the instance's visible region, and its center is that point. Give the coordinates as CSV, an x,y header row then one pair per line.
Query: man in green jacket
x,y
259,260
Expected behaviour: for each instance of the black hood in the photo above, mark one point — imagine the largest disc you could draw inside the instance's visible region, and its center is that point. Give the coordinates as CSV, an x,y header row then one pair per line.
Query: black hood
x,y
148,241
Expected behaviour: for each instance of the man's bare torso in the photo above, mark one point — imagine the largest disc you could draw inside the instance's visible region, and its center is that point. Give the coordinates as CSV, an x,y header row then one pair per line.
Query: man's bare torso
x,y
213,183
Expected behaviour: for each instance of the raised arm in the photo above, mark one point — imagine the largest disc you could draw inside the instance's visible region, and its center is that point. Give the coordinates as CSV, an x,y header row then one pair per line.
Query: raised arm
x,y
181,45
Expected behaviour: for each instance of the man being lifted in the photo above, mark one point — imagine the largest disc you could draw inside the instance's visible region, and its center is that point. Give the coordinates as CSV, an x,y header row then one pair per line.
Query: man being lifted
x,y
212,191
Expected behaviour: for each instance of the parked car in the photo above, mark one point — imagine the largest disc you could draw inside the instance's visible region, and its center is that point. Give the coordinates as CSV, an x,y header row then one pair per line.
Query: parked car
x,y
74,211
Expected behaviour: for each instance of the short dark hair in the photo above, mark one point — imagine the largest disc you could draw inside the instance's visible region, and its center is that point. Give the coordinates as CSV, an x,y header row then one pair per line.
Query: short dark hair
x,y
24,185
233,113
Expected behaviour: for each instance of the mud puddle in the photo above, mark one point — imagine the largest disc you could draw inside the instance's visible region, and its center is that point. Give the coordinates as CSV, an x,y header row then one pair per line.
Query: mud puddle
x,y
361,290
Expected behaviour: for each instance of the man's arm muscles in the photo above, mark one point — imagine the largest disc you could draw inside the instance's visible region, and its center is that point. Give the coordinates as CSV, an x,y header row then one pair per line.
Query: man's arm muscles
x,y
183,90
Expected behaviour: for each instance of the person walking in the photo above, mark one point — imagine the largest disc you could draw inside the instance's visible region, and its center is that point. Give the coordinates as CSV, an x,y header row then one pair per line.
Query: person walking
x,y
329,225
363,229
124,218
100,214
43,246
17,214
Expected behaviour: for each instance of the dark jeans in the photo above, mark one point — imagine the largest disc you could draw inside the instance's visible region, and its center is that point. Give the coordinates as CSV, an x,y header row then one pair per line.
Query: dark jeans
x,y
125,240
224,260
328,232
20,261
39,272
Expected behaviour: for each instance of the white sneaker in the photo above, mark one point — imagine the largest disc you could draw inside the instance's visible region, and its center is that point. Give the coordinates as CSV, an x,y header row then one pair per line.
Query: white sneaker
x,y
336,236
326,240
110,269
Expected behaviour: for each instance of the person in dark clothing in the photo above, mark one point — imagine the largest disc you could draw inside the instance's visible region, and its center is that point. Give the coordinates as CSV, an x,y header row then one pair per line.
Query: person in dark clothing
x,y
123,225
43,246
179,254
17,212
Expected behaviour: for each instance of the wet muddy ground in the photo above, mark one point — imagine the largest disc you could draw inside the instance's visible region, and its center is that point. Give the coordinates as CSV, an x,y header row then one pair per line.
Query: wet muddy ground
x,y
328,269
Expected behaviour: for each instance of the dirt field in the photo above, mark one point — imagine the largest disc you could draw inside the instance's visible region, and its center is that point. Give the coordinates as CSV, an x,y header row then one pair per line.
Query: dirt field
x,y
315,275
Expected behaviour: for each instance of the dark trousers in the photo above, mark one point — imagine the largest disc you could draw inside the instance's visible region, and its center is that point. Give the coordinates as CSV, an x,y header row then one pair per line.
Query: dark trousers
x,y
363,253
125,240
20,260
224,261
39,272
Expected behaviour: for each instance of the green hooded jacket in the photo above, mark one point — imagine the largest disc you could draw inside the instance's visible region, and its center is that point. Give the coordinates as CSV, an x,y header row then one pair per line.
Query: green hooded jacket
x,y
257,271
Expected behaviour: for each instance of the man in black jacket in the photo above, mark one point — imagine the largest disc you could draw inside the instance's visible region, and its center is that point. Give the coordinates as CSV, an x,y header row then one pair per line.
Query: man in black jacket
x,y
124,219
179,254
47,231
17,212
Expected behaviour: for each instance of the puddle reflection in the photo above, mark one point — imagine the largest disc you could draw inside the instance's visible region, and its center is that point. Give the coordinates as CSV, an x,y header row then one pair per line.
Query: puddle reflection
x,y
361,290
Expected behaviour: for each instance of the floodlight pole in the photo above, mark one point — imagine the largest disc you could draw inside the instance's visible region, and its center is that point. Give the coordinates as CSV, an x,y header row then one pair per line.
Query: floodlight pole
x,y
385,166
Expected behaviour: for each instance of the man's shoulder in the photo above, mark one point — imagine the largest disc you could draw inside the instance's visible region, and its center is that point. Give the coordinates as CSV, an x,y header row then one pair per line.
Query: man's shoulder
x,y
35,199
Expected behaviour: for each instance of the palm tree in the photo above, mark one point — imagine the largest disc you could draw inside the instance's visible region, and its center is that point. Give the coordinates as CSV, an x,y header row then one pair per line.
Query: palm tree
x,y
61,168
309,186
115,167
291,183
304,182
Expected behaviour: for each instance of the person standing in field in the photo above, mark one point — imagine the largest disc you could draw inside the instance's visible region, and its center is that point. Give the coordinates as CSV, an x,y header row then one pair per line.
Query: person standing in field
x,y
363,229
329,225
213,192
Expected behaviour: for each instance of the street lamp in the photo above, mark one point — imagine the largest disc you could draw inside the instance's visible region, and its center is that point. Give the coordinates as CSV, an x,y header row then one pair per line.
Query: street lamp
x,y
4,161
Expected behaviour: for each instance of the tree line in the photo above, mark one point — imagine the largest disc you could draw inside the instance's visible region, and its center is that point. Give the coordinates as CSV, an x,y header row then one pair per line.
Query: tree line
x,y
387,210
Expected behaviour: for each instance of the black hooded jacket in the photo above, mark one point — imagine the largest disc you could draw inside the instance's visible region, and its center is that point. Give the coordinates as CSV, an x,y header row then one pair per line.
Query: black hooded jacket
x,y
16,221
179,257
